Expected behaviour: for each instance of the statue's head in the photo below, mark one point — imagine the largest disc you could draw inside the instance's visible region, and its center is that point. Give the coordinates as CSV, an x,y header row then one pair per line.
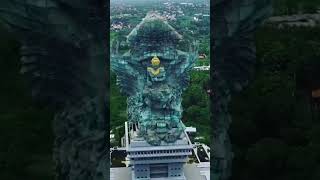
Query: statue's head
x,y
155,61
153,34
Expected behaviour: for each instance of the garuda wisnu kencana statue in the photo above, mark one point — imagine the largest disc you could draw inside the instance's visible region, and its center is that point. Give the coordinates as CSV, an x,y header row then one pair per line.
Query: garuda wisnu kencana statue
x,y
153,74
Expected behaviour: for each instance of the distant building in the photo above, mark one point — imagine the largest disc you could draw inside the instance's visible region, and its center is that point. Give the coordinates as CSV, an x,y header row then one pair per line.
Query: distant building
x,y
202,56
191,130
202,68
188,4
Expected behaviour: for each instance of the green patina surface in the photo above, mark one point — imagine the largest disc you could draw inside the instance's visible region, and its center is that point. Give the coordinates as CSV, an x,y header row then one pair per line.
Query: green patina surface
x,y
153,75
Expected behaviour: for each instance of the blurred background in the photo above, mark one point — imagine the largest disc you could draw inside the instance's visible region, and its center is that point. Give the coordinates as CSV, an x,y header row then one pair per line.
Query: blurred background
x,y
276,126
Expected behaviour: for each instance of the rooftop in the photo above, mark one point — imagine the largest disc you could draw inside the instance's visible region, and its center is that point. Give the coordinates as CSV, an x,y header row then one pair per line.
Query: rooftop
x,y
191,171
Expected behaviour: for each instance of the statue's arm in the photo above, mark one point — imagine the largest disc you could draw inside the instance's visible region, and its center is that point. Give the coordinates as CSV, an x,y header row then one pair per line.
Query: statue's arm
x,y
129,77
185,62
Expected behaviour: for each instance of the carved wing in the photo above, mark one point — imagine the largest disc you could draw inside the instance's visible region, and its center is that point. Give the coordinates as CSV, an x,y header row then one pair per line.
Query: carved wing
x,y
179,70
130,75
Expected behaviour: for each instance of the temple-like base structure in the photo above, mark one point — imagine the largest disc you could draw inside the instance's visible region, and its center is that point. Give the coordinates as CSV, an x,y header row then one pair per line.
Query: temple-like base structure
x,y
150,162
167,161
191,172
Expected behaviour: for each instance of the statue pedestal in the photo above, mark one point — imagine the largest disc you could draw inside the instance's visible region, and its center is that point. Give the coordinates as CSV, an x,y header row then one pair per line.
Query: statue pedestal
x,y
163,162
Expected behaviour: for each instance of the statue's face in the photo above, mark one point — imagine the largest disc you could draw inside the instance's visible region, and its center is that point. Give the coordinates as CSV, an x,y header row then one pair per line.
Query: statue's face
x,y
155,62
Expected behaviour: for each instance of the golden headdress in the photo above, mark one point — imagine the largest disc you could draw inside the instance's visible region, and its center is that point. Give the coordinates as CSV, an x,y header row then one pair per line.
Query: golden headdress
x,y
155,61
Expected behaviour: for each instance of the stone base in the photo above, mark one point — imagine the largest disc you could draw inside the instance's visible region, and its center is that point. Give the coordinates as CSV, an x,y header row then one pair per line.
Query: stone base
x,y
151,162
164,162
191,172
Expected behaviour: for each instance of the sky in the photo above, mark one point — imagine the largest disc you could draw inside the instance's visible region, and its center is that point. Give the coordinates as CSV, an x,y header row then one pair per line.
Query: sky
x,y
131,1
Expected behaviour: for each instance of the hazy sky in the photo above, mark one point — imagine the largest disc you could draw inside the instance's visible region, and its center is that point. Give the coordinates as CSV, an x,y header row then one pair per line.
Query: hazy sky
x,y
158,0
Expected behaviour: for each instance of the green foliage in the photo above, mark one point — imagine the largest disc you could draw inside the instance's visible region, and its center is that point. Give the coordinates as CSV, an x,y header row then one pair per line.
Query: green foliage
x,y
274,132
196,104
118,105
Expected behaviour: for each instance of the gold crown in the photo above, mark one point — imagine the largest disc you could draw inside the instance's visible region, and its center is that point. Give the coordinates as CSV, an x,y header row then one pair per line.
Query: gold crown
x,y
155,61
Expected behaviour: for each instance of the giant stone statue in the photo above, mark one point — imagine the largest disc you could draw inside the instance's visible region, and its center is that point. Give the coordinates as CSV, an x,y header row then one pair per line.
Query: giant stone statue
x,y
153,74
